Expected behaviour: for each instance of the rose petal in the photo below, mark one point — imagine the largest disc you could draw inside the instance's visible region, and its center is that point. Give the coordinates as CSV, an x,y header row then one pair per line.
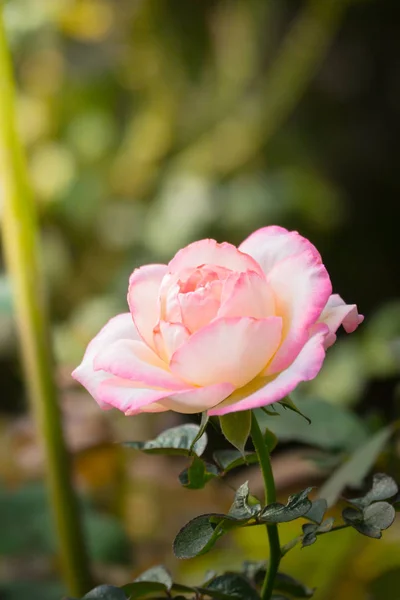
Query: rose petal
x,y
155,407
301,287
128,396
209,252
232,350
270,245
176,285
198,399
121,326
247,295
170,307
131,399
133,360
190,280
198,308
336,313
143,299
169,337
266,390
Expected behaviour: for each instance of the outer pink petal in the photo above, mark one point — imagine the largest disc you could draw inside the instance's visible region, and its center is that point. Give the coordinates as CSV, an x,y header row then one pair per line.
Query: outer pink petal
x,y
209,252
135,361
336,313
270,245
198,399
302,287
156,407
247,295
131,399
128,396
266,390
119,327
144,300
232,350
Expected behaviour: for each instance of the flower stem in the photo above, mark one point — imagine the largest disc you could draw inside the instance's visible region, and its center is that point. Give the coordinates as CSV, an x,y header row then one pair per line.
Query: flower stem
x,y
270,496
20,232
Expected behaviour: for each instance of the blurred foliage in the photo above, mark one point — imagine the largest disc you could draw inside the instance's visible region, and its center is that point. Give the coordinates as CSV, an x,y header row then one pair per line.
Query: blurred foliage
x,y
28,508
149,124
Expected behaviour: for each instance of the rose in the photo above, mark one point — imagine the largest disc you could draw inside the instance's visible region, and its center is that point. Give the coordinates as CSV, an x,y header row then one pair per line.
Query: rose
x,y
219,328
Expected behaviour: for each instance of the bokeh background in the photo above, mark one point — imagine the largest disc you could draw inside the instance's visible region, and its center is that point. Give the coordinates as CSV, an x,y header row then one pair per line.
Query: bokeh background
x,y
149,124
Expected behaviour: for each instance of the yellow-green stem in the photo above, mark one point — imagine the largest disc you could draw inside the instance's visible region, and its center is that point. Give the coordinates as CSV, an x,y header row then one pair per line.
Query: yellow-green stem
x,y
270,496
19,230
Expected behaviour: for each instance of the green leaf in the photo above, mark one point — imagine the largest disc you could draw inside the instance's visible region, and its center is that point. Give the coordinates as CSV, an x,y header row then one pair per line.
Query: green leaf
x,y
354,470
198,474
141,589
290,405
333,428
285,583
236,428
106,592
240,508
255,570
174,441
230,459
310,531
297,506
202,428
198,536
383,487
270,439
154,580
158,574
271,411
230,586
185,589
309,534
325,461
201,533
317,511
326,525
372,520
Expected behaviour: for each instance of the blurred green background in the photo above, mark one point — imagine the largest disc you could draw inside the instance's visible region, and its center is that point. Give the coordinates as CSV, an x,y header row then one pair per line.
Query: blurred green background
x,y
149,124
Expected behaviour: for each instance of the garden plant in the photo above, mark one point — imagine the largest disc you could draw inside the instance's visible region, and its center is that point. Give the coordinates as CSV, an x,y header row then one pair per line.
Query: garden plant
x,y
229,333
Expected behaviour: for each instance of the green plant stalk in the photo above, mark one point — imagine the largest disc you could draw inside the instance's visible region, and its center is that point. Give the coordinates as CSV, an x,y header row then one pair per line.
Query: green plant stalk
x,y
20,232
270,496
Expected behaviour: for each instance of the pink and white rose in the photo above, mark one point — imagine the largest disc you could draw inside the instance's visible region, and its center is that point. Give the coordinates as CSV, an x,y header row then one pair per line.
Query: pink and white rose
x,y
219,328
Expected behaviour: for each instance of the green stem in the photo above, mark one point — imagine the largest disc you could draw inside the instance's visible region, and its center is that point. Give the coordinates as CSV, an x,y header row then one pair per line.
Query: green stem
x,y
337,528
20,234
270,496
289,546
